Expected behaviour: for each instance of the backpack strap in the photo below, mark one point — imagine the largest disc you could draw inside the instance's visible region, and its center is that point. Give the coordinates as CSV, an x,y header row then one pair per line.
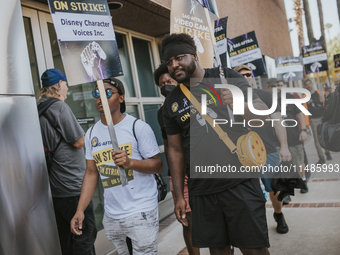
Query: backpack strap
x,y
42,107
134,134
133,129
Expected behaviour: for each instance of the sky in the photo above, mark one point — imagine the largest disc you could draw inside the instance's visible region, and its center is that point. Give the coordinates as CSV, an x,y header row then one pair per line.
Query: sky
x,y
330,15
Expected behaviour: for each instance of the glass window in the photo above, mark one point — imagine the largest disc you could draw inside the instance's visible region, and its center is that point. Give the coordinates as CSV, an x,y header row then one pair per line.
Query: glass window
x,y
132,110
32,56
144,65
57,61
125,61
150,112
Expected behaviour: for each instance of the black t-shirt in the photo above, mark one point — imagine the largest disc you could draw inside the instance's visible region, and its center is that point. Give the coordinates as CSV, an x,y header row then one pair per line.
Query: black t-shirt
x,y
162,126
180,117
267,133
315,106
161,122
293,133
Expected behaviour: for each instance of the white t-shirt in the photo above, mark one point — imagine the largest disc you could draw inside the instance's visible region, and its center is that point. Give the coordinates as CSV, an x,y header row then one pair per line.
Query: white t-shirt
x,y
140,195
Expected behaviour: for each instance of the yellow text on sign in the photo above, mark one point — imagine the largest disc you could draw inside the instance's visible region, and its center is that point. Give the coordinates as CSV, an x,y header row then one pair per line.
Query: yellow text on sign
x,y
336,74
79,6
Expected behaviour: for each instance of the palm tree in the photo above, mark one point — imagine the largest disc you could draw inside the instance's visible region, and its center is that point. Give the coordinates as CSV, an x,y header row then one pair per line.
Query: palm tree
x,y
322,26
308,20
338,2
298,20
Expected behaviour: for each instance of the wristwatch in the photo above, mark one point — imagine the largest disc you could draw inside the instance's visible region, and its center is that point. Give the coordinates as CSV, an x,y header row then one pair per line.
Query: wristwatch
x,y
303,130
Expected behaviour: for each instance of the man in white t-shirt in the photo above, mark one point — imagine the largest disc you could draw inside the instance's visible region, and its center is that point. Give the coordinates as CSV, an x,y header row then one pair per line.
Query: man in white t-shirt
x,y
130,211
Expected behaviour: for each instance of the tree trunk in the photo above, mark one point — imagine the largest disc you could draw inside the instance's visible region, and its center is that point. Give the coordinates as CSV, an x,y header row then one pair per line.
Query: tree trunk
x,y
309,21
322,26
298,20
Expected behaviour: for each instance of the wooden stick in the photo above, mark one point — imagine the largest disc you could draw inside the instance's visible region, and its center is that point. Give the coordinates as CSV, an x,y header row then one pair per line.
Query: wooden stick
x,y
112,132
217,56
319,86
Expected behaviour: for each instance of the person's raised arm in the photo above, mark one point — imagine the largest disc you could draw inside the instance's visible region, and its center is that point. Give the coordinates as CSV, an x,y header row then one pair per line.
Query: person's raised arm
x,y
281,134
177,170
303,133
87,190
227,99
152,165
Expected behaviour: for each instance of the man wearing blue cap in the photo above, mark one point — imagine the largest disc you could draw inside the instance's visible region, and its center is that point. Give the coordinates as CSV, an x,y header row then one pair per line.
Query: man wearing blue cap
x,y
63,139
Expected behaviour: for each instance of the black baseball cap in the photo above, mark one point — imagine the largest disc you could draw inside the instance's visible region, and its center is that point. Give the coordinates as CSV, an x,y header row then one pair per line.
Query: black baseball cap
x,y
120,87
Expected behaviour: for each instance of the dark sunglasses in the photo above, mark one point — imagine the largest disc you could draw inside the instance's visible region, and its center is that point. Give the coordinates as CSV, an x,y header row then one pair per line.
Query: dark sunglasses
x,y
109,93
247,74
276,85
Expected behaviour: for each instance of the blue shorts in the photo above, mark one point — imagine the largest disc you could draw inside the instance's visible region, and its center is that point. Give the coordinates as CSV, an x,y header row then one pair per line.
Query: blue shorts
x,y
273,159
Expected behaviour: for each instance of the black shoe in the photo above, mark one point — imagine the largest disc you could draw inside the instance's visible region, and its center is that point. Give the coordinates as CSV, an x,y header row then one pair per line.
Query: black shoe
x,y
286,200
282,227
321,161
304,190
328,156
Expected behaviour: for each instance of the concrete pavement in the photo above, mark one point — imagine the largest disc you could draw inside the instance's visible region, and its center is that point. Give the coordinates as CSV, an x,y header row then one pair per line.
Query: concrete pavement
x,y
313,218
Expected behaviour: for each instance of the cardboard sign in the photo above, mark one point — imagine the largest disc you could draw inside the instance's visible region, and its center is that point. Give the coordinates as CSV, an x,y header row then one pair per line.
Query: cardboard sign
x,y
322,74
336,74
210,5
289,68
221,39
244,50
188,17
314,58
86,40
336,60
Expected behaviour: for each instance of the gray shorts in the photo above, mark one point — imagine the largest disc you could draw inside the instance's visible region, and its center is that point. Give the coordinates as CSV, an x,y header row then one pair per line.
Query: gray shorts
x,y
298,156
141,228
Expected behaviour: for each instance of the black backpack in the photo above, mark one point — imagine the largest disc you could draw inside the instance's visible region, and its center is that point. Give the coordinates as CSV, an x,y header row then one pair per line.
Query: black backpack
x,y
328,128
161,185
42,107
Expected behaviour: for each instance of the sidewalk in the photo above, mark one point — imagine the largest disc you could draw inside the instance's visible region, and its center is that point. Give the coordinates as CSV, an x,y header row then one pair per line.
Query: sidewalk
x,y
313,218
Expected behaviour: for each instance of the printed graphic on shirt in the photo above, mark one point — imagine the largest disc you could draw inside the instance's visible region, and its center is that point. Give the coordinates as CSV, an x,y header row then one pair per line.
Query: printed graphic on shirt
x,y
174,107
105,156
113,175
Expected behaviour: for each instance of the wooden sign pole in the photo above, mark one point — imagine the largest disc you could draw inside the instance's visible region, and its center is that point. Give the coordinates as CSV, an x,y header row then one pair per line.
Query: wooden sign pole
x,y
112,132
217,56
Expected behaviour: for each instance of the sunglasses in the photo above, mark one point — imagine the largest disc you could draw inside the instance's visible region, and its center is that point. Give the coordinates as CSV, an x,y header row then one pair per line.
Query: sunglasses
x,y
277,85
109,93
248,75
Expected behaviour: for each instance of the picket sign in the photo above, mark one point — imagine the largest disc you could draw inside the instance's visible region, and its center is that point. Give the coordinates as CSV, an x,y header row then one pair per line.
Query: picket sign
x,y
109,123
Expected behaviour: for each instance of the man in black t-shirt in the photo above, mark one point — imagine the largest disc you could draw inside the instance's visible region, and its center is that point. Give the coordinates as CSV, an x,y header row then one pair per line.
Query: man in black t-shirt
x,y
166,85
223,209
295,135
269,135
315,107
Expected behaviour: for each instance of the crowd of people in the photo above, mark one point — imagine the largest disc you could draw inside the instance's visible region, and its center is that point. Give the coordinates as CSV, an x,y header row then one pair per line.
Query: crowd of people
x,y
216,213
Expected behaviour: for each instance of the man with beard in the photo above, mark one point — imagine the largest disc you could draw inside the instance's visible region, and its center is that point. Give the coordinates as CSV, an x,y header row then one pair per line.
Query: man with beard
x,y
226,211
